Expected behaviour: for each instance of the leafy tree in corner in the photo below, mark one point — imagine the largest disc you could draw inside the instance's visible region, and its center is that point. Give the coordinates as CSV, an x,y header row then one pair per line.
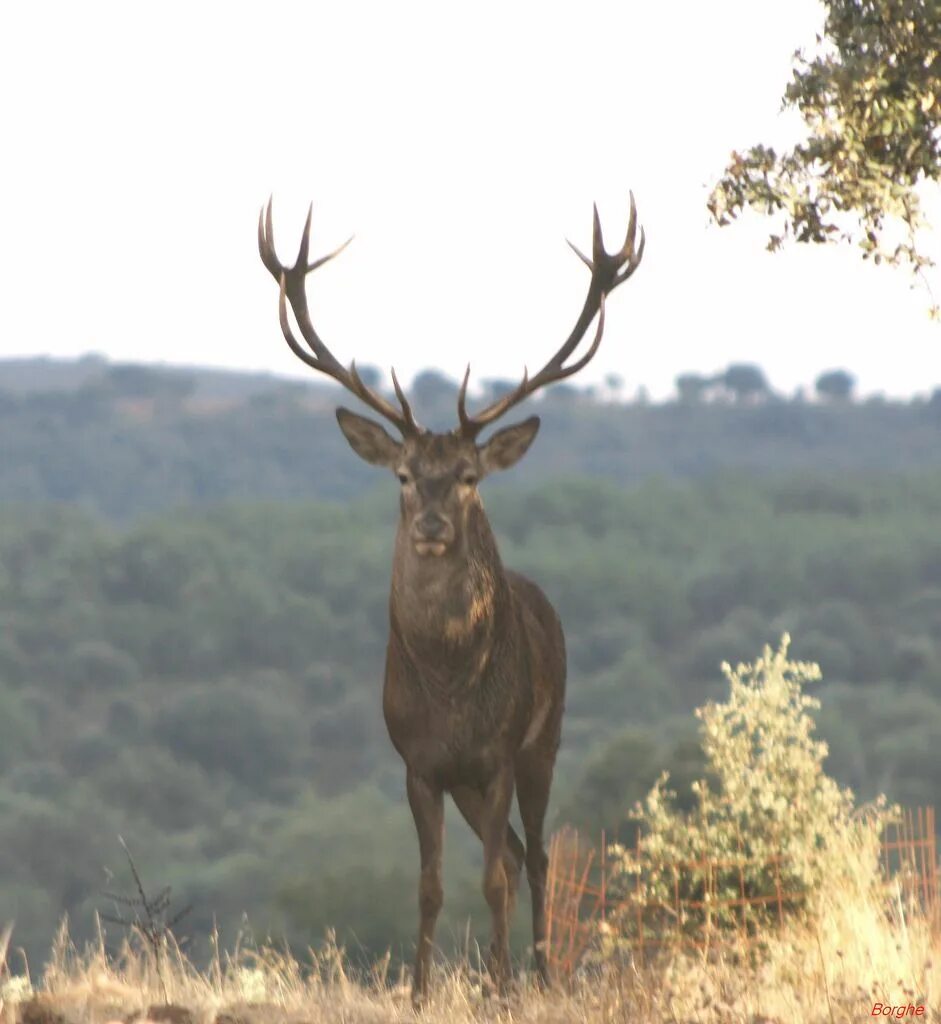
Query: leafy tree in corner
x,y
835,385
871,101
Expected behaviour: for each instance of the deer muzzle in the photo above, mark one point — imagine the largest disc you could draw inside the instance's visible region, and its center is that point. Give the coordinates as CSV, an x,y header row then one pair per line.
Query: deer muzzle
x,y
432,534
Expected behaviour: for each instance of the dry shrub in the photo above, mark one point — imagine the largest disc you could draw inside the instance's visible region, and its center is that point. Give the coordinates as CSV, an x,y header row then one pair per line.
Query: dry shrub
x,y
772,824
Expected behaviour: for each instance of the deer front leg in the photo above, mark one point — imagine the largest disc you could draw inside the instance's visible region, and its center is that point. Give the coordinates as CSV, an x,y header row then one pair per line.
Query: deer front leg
x,y
533,781
470,803
427,804
493,827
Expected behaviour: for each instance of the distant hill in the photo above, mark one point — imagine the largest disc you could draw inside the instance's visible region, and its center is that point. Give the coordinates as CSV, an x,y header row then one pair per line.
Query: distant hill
x,y
126,440
32,374
201,674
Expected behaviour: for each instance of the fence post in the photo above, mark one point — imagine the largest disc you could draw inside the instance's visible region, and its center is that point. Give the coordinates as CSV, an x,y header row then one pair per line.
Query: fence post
x,y
933,869
573,923
637,900
604,877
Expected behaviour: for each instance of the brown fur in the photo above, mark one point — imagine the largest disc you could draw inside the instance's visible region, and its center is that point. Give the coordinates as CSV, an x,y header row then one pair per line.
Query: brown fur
x,y
475,676
475,666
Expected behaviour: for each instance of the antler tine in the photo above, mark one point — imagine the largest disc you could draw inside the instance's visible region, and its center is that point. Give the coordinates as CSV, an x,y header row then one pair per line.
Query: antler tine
x,y
462,399
403,401
265,248
289,334
597,240
578,252
350,379
550,373
291,283
330,255
634,260
608,270
628,247
470,426
568,371
304,249
632,255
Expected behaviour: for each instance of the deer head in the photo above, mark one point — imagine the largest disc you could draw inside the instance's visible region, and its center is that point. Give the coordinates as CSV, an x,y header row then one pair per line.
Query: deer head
x,y
439,473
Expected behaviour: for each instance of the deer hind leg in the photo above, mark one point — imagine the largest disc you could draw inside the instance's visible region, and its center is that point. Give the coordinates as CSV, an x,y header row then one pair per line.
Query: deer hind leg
x,y
470,802
534,779
493,831
427,804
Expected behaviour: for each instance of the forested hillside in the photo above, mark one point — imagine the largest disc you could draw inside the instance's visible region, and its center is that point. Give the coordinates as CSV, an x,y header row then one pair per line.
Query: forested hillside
x,y
205,682
126,441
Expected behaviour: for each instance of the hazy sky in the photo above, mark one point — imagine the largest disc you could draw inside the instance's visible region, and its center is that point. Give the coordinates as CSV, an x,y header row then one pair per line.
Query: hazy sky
x,y
461,146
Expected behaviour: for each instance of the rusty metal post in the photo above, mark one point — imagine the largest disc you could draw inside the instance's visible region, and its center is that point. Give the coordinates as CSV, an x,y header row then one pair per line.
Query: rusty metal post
x,y
604,876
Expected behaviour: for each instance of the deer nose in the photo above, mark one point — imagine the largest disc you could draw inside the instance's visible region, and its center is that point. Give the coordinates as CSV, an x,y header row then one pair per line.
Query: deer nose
x,y
431,526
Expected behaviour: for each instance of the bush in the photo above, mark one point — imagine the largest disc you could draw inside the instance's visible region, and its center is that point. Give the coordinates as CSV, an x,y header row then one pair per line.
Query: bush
x,y
95,664
771,802
19,735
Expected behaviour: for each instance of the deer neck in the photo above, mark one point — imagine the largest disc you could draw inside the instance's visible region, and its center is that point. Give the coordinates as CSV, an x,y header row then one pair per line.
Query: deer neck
x,y
442,606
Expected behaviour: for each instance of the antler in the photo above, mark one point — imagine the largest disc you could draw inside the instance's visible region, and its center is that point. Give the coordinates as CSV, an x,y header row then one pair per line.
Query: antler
x,y
608,270
291,282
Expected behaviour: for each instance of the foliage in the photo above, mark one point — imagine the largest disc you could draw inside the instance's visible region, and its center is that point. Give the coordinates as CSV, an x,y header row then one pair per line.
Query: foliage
x,y
880,960
202,675
19,732
692,388
101,445
744,381
870,98
621,773
202,681
772,821
835,385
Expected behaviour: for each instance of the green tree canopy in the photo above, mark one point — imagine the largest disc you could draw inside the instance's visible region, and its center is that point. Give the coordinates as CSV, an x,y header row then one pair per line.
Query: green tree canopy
x,y
870,98
691,388
835,385
744,381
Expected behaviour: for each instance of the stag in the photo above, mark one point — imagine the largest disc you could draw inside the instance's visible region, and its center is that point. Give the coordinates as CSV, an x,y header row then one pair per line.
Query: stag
x,y
475,664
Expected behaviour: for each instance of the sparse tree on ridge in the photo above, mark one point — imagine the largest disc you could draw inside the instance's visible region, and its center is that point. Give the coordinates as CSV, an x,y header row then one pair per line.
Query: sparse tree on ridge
x,y
614,383
745,381
496,387
835,385
432,386
692,387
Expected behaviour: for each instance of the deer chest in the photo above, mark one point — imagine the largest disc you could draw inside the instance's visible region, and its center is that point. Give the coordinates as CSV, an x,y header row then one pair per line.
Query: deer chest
x,y
456,737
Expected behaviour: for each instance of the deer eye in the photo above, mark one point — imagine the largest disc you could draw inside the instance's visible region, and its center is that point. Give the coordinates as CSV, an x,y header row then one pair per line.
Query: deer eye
x,y
468,479
404,478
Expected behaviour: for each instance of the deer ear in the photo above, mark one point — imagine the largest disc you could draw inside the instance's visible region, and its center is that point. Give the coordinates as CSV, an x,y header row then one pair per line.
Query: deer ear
x,y
509,445
368,439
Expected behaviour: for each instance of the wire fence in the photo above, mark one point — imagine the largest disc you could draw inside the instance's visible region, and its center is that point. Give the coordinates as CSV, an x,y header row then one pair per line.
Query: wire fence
x,y
909,855
581,899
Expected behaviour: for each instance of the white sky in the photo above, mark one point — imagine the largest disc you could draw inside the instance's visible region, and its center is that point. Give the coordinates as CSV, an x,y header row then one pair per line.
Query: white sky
x,y
461,145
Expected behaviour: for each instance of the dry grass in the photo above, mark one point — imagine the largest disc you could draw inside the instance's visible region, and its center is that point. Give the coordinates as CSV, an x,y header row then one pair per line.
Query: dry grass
x,y
834,971
864,945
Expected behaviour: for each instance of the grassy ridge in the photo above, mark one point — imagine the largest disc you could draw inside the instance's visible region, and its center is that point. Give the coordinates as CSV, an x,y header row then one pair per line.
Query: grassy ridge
x,y
832,974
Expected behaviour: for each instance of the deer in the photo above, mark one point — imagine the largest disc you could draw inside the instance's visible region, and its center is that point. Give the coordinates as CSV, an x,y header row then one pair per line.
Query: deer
x,y
475,668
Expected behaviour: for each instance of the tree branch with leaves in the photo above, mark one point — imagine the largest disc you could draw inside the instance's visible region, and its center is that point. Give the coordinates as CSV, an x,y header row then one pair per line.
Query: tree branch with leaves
x,y
870,98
